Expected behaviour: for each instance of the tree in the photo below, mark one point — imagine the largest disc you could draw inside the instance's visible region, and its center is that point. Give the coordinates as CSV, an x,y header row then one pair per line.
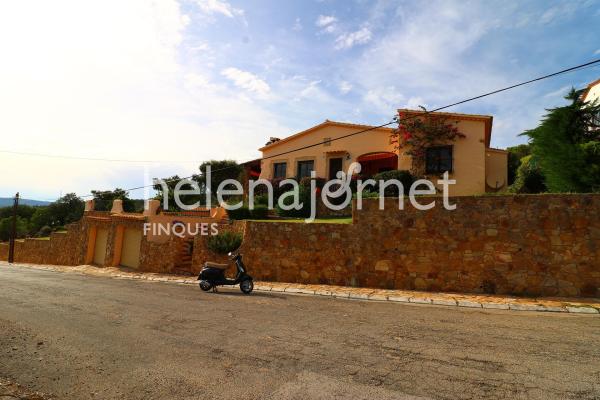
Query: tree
x,y
566,146
515,154
220,171
171,182
103,199
69,208
6,226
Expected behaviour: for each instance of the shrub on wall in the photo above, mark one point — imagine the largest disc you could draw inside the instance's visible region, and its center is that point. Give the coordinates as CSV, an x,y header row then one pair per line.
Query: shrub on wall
x,y
304,198
224,242
240,213
260,212
405,177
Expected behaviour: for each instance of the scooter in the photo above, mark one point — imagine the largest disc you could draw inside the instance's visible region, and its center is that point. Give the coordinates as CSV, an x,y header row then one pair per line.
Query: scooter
x,y
213,275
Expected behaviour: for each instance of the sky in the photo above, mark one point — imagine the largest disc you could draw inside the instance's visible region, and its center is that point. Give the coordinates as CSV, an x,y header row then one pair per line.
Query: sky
x,y
162,85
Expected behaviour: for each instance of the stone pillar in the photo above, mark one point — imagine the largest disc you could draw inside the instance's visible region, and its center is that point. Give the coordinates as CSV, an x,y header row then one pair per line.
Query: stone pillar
x,y
151,207
117,207
89,205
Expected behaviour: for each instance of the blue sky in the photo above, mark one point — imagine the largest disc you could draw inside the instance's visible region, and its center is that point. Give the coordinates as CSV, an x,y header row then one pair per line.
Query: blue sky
x,y
184,81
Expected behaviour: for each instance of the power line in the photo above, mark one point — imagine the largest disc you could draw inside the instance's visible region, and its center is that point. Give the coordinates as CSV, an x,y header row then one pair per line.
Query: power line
x,y
395,119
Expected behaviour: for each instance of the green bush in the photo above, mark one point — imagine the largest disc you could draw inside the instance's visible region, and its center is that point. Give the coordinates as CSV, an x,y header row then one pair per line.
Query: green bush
x,y
45,231
307,180
304,198
240,213
260,212
224,242
262,199
405,177
529,177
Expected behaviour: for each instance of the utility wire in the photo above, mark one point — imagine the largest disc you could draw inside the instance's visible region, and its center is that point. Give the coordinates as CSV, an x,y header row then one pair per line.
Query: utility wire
x,y
395,119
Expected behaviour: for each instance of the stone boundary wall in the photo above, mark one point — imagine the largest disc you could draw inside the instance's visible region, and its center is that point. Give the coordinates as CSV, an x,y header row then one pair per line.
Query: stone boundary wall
x,y
61,248
524,245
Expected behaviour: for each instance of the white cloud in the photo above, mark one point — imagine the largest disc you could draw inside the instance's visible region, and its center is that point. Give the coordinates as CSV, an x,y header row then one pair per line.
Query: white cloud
x,y
248,81
385,99
324,20
219,7
344,87
558,12
297,25
348,40
597,52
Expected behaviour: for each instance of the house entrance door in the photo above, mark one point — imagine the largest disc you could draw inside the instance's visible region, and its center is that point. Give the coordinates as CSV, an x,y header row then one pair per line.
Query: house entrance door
x,y
335,166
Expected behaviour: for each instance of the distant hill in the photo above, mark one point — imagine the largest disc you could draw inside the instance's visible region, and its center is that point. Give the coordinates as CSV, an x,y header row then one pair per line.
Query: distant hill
x,y
8,201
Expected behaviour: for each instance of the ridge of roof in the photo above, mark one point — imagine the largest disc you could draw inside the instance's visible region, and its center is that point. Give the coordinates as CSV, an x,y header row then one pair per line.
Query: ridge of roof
x,y
322,124
478,116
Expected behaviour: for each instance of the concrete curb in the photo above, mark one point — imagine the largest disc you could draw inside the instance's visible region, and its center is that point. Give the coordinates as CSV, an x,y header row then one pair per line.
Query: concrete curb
x,y
438,299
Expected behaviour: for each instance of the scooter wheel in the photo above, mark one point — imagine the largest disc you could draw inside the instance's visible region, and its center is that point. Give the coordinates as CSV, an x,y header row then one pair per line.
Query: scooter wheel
x,y
247,286
205,285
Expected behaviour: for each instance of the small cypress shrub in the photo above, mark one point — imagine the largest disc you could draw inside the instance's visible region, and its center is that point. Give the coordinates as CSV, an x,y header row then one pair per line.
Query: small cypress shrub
x,y
240,213
405,177
260,212
224,242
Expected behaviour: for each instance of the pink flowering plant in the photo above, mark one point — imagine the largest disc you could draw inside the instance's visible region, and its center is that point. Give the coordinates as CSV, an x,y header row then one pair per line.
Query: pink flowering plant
x,y
415,133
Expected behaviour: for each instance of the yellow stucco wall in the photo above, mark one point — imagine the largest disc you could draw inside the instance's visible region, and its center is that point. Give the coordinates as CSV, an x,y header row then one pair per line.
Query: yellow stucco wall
x,y
496,168
372,141
469,153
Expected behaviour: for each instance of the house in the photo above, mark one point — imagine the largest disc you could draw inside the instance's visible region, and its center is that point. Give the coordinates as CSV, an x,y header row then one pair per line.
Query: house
x,y
476,166
592,92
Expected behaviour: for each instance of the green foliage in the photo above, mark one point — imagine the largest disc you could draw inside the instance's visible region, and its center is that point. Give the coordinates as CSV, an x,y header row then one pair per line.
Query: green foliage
x,y
529,177
262,199
23,211
63,211
240,213
103,200
6,225
220,171
564,144
417,134
319,182
44,231
224,242
260,211
515,154
303,193
591,157
367,195
405,177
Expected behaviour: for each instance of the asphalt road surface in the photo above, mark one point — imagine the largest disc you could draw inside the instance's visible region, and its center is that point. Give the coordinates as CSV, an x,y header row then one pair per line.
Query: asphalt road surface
x,y
85,337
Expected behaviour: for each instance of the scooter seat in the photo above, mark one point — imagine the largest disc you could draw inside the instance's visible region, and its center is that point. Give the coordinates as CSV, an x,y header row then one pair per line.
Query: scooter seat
x,y
209,264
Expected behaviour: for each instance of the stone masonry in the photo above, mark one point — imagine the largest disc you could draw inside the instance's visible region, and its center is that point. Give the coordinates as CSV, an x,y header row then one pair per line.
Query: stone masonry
x,y
537,245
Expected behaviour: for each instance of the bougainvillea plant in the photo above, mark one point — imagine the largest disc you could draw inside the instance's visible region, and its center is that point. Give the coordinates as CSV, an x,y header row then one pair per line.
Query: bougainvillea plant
x,y
415,133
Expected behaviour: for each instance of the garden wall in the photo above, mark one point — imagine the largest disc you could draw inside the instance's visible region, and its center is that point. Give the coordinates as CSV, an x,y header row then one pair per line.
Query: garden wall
x,y
535,245
61,248
526,245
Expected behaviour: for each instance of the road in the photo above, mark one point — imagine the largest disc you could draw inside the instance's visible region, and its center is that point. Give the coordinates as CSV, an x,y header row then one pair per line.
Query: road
x,y
85,337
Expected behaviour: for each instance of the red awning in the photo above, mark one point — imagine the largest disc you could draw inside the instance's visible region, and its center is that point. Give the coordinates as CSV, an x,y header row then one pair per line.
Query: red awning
x,y
375,156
